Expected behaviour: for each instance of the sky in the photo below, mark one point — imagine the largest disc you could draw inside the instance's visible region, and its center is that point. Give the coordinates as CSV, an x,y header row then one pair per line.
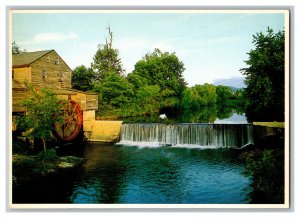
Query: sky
x,y
212,46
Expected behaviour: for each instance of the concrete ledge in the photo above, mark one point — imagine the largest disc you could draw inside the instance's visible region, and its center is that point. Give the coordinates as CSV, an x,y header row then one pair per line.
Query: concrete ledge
x,y
269,136
89,115
105,131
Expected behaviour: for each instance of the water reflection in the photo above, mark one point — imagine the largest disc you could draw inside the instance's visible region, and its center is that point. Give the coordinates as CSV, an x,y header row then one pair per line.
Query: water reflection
x,y
128,174
235,118
206,114
101,179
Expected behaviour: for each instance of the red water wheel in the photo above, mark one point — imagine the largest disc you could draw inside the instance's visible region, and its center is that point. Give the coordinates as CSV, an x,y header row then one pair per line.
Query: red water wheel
x,y
71,126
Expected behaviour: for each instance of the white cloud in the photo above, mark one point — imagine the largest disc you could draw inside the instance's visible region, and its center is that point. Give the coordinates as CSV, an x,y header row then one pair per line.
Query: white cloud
x,y
50,37
54,37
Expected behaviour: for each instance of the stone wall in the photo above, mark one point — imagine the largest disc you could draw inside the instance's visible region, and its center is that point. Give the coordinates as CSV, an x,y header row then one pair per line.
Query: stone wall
x,y
100,130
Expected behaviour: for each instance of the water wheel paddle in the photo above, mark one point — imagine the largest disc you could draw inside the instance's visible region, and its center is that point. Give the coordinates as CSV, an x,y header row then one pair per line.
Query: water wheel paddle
x,y
73,119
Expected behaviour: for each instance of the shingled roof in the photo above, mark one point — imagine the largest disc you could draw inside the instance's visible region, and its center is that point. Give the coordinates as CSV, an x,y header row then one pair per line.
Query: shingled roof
x,y
27,58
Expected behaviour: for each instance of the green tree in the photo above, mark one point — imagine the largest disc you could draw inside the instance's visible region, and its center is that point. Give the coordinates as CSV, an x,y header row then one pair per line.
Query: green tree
x,y
198,96
106,60
148,98
191,99
82,78
206,94
224,93
114,91
265,77
43,109
137,80
164,70
187,99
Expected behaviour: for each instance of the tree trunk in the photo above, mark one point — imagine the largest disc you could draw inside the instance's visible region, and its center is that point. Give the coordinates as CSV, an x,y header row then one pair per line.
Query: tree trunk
x,y
44,145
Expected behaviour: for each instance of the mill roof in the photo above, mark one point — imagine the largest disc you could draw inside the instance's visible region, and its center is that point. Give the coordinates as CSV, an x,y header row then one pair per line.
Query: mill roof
x,y
27,58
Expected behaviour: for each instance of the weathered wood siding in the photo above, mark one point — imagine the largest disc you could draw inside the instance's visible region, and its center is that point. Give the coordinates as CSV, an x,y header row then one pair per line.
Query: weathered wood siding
x,y
87,101
19,75
57,74
17,96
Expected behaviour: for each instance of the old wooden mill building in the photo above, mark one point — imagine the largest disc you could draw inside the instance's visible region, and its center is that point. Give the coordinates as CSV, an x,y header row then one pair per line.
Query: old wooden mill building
x,y
48,69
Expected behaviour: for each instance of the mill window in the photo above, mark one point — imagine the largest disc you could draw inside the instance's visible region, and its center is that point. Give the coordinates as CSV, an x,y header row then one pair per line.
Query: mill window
x,y
57,61
44,75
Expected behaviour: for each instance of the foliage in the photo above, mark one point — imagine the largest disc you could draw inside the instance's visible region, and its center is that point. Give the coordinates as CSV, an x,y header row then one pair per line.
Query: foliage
x,y
82,78
148,98
189,99
19,146
119,97
165,71
114,90
224,93
49,155
137,80
207,94
198,96
265,77
106,60
155,85
42,110
266,169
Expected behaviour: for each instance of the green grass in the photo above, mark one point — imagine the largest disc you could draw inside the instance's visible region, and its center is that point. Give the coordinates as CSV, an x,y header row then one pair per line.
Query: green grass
x,y
270,124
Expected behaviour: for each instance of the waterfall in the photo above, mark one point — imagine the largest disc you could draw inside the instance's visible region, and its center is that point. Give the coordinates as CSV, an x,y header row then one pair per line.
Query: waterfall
x,y
203,135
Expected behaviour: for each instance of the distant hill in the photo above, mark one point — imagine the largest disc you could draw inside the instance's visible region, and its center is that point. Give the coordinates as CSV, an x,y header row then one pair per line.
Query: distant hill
x,y
233,82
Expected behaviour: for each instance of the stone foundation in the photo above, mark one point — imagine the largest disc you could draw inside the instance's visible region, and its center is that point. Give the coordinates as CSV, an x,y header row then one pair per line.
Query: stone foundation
x,y
100,130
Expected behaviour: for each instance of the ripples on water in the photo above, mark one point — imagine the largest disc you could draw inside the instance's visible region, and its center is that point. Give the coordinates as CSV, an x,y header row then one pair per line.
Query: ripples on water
x,y
131,174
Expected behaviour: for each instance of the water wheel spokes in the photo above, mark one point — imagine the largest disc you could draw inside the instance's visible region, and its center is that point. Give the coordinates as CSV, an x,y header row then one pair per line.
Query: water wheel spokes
x,y
72,122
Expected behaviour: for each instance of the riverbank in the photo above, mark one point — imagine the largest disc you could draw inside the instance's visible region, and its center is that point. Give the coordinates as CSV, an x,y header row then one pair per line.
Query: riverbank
x,y
265,163
26,167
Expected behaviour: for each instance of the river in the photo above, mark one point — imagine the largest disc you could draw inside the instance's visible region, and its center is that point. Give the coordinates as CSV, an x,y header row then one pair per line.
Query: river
x,y
161,175
154,163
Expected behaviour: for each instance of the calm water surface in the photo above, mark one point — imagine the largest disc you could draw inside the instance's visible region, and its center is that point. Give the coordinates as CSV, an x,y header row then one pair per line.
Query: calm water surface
x,y
130,174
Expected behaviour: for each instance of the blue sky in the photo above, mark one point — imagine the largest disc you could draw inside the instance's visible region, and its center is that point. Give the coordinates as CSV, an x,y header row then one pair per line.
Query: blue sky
x,y
211,45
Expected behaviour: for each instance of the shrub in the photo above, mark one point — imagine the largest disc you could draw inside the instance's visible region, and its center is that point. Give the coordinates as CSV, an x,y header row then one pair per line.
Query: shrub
x,y
49,155
267,176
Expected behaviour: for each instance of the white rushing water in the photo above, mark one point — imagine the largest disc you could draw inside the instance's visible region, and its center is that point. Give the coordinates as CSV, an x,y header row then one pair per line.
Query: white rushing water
x,y
187,135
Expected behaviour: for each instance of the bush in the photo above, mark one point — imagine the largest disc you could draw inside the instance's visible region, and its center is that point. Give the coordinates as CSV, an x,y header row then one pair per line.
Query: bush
x,y
49,155
267,176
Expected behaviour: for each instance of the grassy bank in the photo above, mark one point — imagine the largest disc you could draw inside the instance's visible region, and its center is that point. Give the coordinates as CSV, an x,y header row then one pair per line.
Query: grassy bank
x,y
26,167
